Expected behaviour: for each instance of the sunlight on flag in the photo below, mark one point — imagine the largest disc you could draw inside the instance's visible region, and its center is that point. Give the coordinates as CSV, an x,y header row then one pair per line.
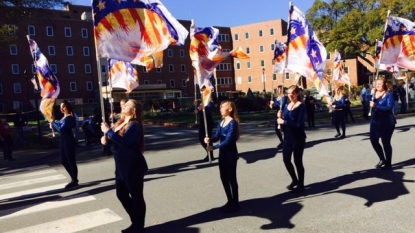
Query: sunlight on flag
x,y
122,75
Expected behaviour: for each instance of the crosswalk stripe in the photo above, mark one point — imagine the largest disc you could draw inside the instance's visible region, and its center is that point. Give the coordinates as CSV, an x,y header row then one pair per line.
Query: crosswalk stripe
x,y
32,192
61,202
44,172
24,169
32,181
74,223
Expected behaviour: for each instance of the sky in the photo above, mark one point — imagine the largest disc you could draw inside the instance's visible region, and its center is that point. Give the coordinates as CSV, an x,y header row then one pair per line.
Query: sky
x,y
227,13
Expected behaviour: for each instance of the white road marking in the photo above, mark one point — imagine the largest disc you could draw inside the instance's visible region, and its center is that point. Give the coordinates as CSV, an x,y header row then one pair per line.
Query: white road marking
x,y
32,181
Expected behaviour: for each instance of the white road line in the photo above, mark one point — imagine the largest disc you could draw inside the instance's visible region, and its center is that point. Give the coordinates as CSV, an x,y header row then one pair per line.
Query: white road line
x,y
61,202
74,223
32,181
24,169
10,177
32,192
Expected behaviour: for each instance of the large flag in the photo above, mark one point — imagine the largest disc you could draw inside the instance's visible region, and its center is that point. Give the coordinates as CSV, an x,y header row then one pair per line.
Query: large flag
x,y
135,31
306,55
389,67
122,75
399,43
279,57
206,54
49,84
337,66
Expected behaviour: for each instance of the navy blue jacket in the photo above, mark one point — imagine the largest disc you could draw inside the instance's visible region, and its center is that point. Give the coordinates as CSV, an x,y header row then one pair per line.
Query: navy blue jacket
x,y
383,111
227,136
64,127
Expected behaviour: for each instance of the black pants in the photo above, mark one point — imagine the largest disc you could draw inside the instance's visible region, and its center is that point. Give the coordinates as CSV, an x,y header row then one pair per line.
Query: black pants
x,y
279,131
296,149
68,161
131,195
347,114
310,117
383,132
339,120
227,170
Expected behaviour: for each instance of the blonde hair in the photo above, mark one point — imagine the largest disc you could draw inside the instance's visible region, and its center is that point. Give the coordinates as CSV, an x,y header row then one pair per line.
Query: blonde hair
x,y
234,115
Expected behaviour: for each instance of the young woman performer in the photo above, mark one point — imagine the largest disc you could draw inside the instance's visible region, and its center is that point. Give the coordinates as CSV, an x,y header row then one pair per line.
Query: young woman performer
x,y
338,105
279,104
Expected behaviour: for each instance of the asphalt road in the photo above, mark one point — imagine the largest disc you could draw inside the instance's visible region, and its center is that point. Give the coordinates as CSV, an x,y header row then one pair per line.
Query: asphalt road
x,y
344,193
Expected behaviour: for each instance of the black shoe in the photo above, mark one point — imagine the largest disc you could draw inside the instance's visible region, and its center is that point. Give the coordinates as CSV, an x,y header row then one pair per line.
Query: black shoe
x,y
206,159
232,208
132,229
386,167
71,185
227,205
337,135
279,146
292,185
343,136
380,164
298,189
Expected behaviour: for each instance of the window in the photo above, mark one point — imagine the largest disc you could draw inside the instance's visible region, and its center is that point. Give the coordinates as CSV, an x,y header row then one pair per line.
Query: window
x,y
260,33
246,35
88,69
271,31
262,63
236,37
16,87
51,50
239,80
182,54
146,82
249,79
15,69
328,56
13,49
54,68
261,48
238,65
346,69
224,67
69,50
72,86
12,29
86,51
68,32
274,77
89,86
248,50
184,83
223,38
145,69
71,68
103,68
170,53
287,76
171,68
158,70
183,68
17,104
49,31
272,47
364,54
248,65
172,83
159,82
84,32
31,30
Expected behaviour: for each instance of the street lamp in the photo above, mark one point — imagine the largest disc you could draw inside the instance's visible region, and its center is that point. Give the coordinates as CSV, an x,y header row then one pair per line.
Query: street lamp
x,y
263,79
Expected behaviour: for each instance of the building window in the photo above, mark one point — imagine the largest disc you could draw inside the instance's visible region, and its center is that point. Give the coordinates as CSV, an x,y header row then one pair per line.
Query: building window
x,y
86,51
72,86
171,68
184,83
274,77
89,86
49,31
287,76
183,68
249,79
68,32
272,47
346,69
31,30
159,82
260,33
328,56
69,50
224,67
262,63
239,80
15,69
12,29
223,38
271,31
17,104
17,89
13,49
246,35
51,50
248,50
170,53
236,37
84,33
71,68
54,68
261,48
88,69
238,65
146,82
182,54
103,68
145,69
248,65
172,83
158,70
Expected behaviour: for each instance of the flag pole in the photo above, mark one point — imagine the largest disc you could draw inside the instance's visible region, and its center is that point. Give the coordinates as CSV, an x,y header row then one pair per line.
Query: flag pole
x,y
195,101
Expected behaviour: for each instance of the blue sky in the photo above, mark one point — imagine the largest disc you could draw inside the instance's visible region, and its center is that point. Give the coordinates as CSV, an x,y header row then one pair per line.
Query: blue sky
x,y
227,13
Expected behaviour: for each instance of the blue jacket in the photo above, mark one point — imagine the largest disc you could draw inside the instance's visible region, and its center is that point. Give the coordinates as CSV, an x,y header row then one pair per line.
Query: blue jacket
x,y
383,111
64,127
227,136
277,103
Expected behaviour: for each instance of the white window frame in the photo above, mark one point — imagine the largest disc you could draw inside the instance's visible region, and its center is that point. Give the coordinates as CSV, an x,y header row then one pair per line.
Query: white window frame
x,y
169,52
86,51
260,33
54,68
172,83
248,65
158,70
238,65
15,69
239,80
287,76
182,53
51,50
183,68
88,68
72,84
247,35
248,50
89,86
71,69
261,49
346,69
236,37
51,31
13,47
262,63
17,88
68,32
272,47
249,79
84,32
271,31
31,28
69,51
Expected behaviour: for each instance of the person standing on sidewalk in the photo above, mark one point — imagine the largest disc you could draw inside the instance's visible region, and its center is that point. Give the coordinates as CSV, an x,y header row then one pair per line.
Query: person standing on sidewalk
x,y
278,104
6,140
227,133
68,143
365,105
382,124
19,121
348,110
292,117
338,105
310,107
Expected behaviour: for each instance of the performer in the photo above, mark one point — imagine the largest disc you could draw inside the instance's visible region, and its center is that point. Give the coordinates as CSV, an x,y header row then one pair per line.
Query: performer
x,y
276,104
68,142
201,125
292,117
228,133
338,105
382,124
127,137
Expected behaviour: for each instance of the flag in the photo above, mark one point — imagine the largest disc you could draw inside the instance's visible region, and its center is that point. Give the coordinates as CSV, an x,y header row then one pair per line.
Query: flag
x,y
49,84
305,54
135,31
279,57
337,66
399,43
122,75
389,67
206,54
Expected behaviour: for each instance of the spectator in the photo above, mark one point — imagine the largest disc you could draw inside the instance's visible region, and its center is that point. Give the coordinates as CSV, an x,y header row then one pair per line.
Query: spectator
x,y
402,96
395,99
20,121
310,107
364,102
6,140
348,111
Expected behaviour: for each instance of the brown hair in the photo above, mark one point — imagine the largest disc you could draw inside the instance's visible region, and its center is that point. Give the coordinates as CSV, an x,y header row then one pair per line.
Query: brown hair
x,y
384,86
234,115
